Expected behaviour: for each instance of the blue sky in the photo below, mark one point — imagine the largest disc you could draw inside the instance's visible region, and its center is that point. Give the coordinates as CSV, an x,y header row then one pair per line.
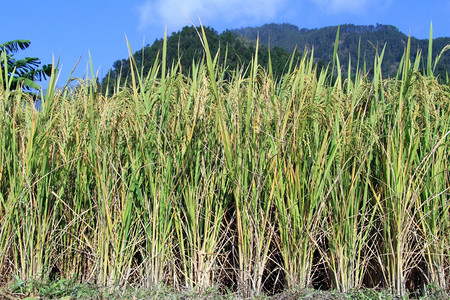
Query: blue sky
x,y
69,30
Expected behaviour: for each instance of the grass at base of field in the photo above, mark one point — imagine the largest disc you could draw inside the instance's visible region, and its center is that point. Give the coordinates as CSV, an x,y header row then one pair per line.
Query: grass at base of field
x,y
69,289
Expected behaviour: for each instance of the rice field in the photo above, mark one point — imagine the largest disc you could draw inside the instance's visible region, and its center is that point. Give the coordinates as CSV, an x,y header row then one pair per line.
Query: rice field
x,y
246,183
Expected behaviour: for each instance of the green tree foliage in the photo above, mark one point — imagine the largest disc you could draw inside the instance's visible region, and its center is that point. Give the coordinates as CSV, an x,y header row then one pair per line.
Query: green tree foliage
x,y
15,73
356,44
186,47
370,38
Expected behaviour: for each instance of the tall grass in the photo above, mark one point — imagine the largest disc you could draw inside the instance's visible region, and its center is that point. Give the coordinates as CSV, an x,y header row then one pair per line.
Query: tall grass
x,y
252,184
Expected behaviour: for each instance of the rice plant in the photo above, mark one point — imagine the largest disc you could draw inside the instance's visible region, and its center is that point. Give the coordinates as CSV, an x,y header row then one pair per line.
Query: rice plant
x,y
231,179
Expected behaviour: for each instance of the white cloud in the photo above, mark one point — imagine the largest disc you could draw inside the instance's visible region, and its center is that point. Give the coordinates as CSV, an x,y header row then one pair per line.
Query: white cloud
x,y
173,13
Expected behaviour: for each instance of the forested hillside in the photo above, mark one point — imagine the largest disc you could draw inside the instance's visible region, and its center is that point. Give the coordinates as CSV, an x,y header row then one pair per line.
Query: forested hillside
x,y
237,47
185,47
368,39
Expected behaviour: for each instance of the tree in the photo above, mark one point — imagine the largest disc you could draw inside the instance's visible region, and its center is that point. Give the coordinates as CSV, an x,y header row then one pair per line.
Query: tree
x,y
24,73
355,41
186,47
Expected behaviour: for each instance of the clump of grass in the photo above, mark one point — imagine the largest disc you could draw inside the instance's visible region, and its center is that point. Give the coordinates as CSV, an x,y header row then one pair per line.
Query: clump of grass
x,y
252,184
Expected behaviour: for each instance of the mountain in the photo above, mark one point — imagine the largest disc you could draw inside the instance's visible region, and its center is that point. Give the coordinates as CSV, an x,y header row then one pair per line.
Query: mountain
x,y
185,47
238,46
370,38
